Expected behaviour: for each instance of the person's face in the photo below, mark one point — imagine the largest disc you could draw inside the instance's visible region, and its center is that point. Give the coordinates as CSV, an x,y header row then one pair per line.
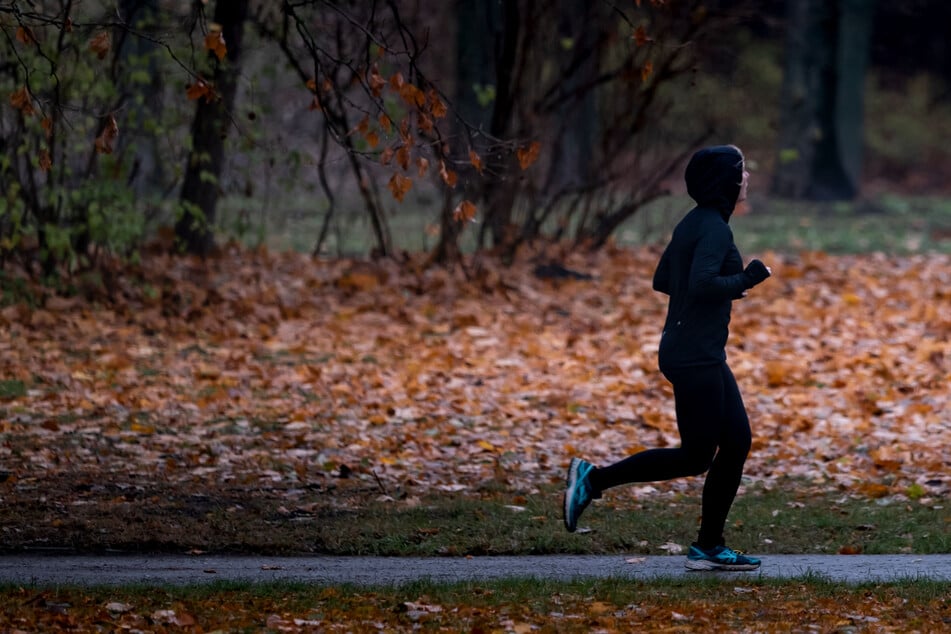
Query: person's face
x,y
743,185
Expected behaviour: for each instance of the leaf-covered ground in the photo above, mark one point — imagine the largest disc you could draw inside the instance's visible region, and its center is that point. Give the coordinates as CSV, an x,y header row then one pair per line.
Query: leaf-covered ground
x,y
257,370
515,606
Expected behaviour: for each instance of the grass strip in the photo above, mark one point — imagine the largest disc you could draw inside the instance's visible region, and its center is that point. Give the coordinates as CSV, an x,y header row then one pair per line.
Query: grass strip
x,y
355,520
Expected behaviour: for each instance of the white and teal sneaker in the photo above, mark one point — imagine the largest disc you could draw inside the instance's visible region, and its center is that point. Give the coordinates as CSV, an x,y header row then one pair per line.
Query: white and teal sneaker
x,y
719,558
579,493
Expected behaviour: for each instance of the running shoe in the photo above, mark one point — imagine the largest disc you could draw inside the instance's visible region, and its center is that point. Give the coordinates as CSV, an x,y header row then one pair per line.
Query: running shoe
x,y
578,494
719,558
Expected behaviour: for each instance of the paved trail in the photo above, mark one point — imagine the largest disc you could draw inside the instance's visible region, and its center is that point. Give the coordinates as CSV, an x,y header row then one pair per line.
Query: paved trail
x,y
179,570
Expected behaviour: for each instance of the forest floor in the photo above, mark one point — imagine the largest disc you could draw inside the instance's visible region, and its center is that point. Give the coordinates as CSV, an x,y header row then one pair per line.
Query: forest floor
x,y
262,391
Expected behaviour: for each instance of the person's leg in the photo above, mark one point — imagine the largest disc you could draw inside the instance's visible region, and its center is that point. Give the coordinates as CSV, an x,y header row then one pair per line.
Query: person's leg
x,y
698,398
723,479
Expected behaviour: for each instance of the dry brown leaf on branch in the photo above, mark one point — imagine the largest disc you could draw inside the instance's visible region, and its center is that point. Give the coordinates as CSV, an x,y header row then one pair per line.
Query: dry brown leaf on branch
x,y
528,155
465,211
475,160
215,42
22,101
448,176
100,44
422,166
105,142
45,162
640,36
399,185
375,81
200,89
25,35
647,70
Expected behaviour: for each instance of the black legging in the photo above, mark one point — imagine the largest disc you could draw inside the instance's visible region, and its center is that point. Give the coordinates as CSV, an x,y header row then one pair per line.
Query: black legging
x,y
714,434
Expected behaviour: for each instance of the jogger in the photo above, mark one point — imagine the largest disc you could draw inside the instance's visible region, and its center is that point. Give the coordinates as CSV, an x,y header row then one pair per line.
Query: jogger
x,y
702,272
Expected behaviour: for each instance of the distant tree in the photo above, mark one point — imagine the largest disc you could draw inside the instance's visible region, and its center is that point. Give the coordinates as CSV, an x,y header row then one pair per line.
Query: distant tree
x,y
827,51
195,226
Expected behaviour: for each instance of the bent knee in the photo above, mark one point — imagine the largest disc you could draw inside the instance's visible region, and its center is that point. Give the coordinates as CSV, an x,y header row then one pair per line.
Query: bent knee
x,y
699,462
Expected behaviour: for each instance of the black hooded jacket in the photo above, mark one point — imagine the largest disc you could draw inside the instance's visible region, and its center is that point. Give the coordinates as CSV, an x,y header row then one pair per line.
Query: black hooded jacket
x,y
701,269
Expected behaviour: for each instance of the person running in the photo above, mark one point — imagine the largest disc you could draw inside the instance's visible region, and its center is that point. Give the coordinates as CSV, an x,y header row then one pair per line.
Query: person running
x,y
702,273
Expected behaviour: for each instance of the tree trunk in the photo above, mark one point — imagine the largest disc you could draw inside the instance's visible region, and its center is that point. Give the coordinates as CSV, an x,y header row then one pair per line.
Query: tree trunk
x,y
573,151
476,21
827,51
200,189
500,188
148,171
855,37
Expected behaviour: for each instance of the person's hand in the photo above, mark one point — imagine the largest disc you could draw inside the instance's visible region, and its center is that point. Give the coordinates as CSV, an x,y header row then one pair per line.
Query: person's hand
x,y
756,272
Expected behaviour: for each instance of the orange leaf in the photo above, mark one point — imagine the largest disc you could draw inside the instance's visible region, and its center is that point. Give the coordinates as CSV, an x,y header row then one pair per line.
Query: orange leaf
x,y
45,161
375,81
100,44
397,81
422,166
25,35
386,156
364,126
402,157
475,160
399,185
436,105
372,138
647,70
105,141
312,84
386,124
425,123
640,36
200,89
47,125
404,131
215,42
465,211
22,101
527,156
448,176
412,95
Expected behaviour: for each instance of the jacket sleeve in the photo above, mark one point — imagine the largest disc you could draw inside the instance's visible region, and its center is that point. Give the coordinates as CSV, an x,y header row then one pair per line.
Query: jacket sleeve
x,y
662,274
705,280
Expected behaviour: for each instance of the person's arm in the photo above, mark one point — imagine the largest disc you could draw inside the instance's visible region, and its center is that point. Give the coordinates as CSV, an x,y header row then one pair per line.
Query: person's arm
x,y
732,264
705,281
662,274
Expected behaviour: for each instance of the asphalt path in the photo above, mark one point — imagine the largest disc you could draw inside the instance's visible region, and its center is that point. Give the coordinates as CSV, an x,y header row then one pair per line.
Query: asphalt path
x,y
49,570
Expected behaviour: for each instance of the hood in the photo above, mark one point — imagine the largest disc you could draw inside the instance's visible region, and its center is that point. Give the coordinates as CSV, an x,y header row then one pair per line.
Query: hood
x,y
713,178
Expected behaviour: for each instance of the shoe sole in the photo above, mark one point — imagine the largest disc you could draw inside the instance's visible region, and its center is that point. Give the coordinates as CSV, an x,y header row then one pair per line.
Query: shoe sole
x,y
570,483
704,564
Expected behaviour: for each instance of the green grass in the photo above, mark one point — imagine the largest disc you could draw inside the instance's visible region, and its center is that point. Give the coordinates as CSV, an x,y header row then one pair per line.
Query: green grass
x,y
775,521
889,223
12,388
897,225
350,518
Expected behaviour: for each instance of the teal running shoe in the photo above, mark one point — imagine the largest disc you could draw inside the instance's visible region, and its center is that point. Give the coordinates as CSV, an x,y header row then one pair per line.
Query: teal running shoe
x,y
578,494
719,558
